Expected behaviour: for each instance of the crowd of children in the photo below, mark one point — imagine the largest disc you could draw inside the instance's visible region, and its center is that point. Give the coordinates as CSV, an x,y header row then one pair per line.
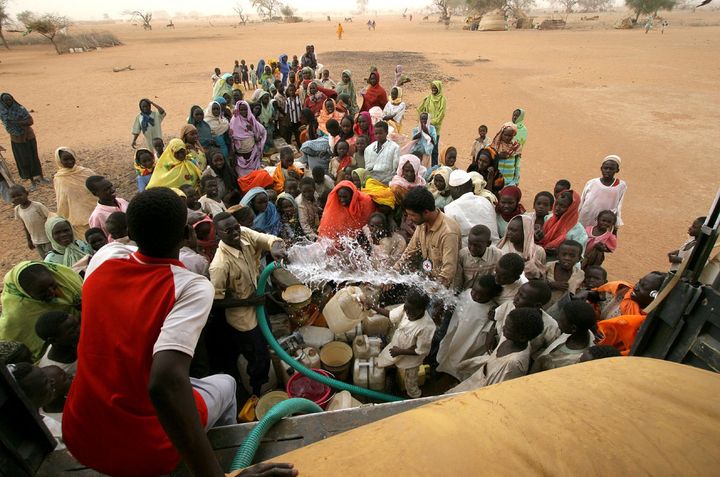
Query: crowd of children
x,y
307,159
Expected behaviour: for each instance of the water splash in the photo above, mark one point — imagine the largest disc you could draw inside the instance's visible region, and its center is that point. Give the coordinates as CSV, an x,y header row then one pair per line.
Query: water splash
x,y
345,262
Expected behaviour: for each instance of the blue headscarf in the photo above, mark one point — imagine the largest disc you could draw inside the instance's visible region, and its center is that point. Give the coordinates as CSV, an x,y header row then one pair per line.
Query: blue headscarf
x,y
14,112
284,67
260,68
267,222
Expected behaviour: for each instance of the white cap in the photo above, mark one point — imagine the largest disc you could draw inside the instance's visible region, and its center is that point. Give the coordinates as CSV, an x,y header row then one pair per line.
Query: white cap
x,y
459,177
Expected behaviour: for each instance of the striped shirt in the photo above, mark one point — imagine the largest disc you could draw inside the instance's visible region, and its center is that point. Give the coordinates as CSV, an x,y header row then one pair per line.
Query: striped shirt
x,y
293,106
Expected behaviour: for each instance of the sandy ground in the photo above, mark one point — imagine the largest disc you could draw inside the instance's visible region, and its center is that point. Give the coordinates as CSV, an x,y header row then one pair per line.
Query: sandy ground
x,y
589,91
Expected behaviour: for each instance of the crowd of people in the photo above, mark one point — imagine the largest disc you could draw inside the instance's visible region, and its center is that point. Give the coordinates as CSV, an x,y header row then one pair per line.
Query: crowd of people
x,y
304,158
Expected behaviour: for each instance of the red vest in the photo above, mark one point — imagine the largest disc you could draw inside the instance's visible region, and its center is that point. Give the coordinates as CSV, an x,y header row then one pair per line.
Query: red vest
x,y
109,422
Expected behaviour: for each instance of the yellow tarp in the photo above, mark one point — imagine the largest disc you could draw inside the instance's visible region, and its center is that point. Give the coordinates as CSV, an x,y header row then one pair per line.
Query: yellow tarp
x,y
619,416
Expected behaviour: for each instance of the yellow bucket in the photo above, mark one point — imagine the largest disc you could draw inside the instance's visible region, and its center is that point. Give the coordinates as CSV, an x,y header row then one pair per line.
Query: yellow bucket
x,y
336,357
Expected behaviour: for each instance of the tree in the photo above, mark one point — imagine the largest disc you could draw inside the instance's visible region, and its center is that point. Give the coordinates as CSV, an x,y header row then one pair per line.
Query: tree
x,y
523,5
4,20
447,8
481,7
241,13
48,25
267,9
567,5
649,7
361,6
287,11
144,17
595,5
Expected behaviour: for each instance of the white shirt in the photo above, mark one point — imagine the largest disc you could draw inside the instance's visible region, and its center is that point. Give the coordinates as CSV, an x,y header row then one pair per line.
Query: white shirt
x,y
382,165
470,210
550,331
597,197
416,334
211,206
194,262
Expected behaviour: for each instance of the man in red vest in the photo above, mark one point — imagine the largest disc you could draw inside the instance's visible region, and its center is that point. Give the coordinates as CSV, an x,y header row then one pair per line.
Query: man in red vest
x,y
133,410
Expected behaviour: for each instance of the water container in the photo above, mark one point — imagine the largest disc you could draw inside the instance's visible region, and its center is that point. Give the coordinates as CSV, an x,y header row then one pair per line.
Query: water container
x,y
316,336
343,400
367,374
336,357
422,375
344,310
376,325
267,401
304,387
365,347
309,357
349,336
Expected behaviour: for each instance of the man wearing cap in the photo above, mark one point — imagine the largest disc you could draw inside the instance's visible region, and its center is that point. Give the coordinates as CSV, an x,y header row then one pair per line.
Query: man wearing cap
x,y
468,209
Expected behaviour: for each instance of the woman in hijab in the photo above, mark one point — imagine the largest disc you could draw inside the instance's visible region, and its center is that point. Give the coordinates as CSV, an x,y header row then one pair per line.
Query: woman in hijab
x,y
373,94
508,206
347,87
439,185
409,174
346,211
18,123
267,219
563,225
66,250
359,177
74,200
174,168
395,109
197,119
195,151
480,187
219,126
267,116
32,289
218,167
435,105
328,112
508,151
520,238
365,127
223,86
248,139
315,99
291,231
485,165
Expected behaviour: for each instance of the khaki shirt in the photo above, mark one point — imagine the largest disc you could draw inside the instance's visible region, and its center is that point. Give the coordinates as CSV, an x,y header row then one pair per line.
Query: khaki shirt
x,y
439,244
235,272
470,267
576,279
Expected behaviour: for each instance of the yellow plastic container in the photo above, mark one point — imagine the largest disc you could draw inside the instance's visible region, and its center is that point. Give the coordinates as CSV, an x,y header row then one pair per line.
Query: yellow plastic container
x,y
336,357
345,310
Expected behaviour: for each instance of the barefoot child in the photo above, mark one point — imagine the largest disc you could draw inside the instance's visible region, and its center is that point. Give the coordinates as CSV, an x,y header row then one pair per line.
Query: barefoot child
x,y
477,259
601,239
576,322
469,326
480,143
511,358
603,193
410,344
61,330
676,256
33,216
210,202
564,275
107,203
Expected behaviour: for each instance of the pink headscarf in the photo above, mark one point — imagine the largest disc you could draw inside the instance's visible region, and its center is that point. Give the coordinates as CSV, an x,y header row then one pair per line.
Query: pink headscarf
x,y
242,128
400,181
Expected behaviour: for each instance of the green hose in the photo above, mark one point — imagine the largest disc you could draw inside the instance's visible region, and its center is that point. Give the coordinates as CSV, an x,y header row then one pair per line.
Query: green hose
x,y
246,453
333,383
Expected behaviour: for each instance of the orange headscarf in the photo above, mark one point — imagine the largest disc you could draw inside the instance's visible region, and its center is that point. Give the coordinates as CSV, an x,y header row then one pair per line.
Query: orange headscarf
x,y
338,220
325,116
279,178
556,228
259,178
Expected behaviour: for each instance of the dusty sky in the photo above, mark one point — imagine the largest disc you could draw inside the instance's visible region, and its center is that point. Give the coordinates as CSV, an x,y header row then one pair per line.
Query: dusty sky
x,y
94,9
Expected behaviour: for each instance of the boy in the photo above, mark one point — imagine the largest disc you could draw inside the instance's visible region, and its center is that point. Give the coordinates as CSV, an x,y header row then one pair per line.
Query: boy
x,y
107,203
253,77
469,326
293,107
210,203
33,216
361,143
511,358
576,323
561,186
117,228
244,75
96,238
533,294
194,212
188,255
595,276
285,170
308,210
292,187
323,182
509,274
158,147
481,142
564,275
61,331
216,76
410,344
478,258
603,193
676,256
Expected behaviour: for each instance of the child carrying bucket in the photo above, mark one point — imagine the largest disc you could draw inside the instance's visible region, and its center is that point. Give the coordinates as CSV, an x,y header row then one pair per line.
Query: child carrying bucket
x,y
410,344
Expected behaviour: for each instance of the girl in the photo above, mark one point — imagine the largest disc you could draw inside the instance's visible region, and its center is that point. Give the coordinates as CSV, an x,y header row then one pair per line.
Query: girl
x,y
18,123
327,113
424,139
65,249
439,187
519,238
347,87
310,124
173,169
542,205
267,117
74,201
347,133
563,225
435,105
290,230
197,119
220,169
365,127
518,118
373,94
341,160
223,86
601,239
486,165
315,99
253,77
267,218
508,153
448,157
395,109
508,206
195,151
248,139
219,126
144,164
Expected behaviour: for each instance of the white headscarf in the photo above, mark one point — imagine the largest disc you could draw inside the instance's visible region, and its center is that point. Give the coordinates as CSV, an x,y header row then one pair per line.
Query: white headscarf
x,y
218,125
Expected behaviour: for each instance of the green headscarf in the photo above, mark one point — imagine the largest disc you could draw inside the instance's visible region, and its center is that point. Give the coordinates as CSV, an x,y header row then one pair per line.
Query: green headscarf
x,y
363,174
64,255
266,112
349,89
521,135
20,311
435,105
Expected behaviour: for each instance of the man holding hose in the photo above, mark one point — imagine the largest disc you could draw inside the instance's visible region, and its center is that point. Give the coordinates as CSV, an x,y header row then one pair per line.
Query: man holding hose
x,y
132,409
